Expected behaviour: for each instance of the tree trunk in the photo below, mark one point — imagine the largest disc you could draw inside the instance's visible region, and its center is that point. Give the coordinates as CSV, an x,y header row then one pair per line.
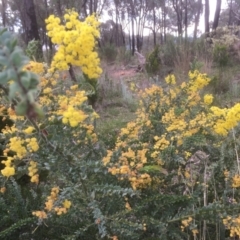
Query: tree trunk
x,y
59,8
217,14
4,13
186,19
132,21
154,27
29,22
207,28
116,24
164,22
84,7
133,37
48,40
178,9
72,73
90,7
197,18
230,14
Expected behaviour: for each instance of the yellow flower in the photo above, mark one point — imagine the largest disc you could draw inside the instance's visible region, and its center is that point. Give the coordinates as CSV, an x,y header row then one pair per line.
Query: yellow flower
x,y
3,189
67,204
32,144
208,99
60,210
8,171
35,179
49,205
170,79
47,90
76,41
127,206
29,130
195,232
236,181
40,214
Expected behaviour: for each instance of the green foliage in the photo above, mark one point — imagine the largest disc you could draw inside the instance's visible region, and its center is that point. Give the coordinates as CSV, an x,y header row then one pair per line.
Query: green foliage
x,y
220,55
195,65
124,56
172,139
67,156
90,86
109,52
15,205
153,61
23,89
32,49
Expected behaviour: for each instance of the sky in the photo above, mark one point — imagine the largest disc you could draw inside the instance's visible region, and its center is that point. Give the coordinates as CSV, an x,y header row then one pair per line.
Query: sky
x,y
212,6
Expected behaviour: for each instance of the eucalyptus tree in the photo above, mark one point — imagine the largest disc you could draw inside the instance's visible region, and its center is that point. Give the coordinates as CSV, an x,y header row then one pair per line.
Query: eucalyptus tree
x,y
198,7
207,12
9,15
233,12
27,13
217,14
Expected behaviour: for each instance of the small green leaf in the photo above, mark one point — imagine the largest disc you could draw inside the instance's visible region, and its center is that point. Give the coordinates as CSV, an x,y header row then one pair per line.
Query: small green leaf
x,y
16,58
2,30
34,81
25,82
11,74
31,95
21,108
13,89
3,77
38,111
14,43
3,60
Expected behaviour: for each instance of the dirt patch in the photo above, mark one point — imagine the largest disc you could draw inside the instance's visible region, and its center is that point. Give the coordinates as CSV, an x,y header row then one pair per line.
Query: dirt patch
x,y
118,72
122,73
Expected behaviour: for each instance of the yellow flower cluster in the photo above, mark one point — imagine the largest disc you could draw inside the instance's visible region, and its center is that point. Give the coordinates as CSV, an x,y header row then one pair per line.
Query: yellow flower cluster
x,y
76,43
8,170
35,67
76,99
49,205
90,134
69,109
232,223
73,116
131,161
127,205
13,116
29,130
236,181
186,223
9,130
161,143
225,119
20,147
3,190
197,81
176,108
16,145
32,172
40,214
170,79
208,99
32,144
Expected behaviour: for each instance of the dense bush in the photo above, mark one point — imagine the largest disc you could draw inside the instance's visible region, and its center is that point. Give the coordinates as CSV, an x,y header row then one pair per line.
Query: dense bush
x,y
173,172
220,55
109,53
153,62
